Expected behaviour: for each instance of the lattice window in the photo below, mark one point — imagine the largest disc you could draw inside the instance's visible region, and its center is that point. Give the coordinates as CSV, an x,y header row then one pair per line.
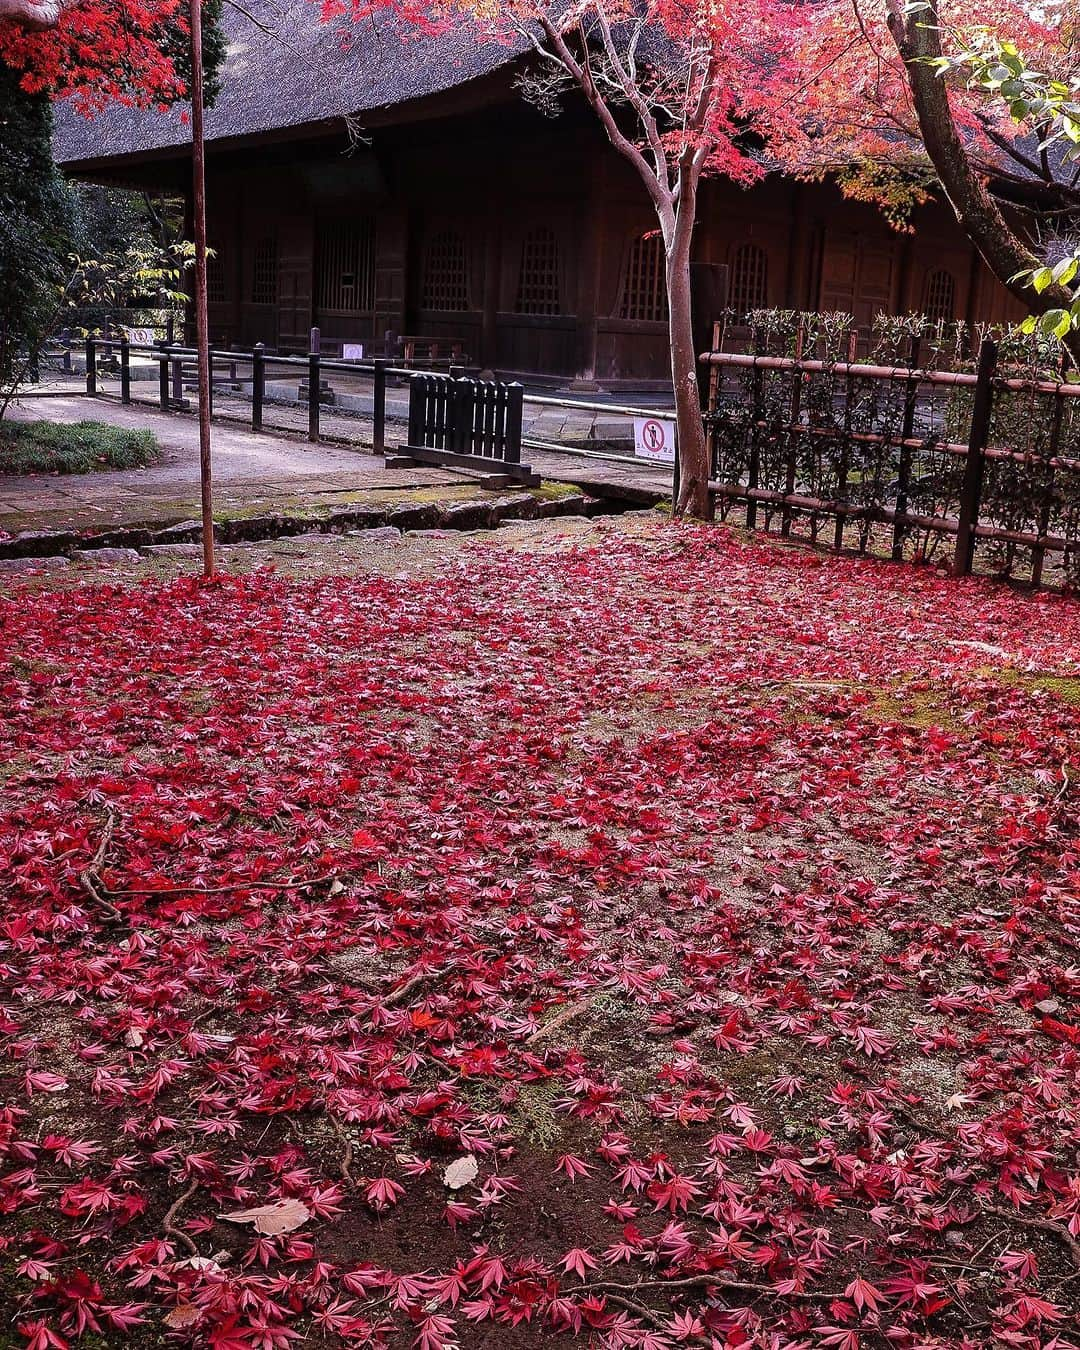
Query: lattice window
x,y
215,276
749,280
264,263
645,288
538,289
346,267
446,278
939,302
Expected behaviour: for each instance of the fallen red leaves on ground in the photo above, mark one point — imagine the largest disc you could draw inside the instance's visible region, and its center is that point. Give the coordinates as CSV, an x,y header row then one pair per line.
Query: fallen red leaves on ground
x,y
668,942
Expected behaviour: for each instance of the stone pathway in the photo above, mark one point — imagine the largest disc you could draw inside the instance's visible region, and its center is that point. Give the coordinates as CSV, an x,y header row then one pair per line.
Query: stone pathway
x,y
255,472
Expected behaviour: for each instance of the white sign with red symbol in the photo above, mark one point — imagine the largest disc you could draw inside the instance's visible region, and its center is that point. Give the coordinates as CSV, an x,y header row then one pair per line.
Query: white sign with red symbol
x,y
654,439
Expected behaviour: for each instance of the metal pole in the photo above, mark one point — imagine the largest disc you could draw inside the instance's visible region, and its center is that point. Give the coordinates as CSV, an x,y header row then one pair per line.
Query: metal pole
x,y
202,332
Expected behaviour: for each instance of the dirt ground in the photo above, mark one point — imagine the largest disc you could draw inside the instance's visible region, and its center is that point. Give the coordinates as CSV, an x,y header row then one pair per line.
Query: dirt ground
x,y
599,931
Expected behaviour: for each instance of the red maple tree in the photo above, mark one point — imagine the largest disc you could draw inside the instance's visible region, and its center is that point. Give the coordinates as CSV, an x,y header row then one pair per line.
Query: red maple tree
x,y
688,88
96,51
897,113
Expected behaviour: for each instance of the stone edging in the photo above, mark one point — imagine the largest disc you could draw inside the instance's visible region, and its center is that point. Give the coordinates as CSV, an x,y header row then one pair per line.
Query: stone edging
x,y
52,547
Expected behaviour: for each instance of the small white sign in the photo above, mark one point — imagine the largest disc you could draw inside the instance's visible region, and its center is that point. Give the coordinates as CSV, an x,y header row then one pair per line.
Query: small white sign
x,y
654,439
352,351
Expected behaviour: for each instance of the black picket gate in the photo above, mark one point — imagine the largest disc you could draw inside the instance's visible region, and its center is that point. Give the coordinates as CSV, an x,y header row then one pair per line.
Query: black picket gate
x,y
468,424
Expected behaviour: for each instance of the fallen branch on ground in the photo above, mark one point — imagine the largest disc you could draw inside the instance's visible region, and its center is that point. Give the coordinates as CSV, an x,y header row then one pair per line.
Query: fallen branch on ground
x,y
346,1154
717,1281
91,877
1048,1226
398,995
561,1018
174,1209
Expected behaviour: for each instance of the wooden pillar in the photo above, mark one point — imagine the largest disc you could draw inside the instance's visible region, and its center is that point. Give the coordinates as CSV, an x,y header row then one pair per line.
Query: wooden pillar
x,y
391,249
902,299
237,241
492,286
188,334
815,267
589,270
975,276
798,241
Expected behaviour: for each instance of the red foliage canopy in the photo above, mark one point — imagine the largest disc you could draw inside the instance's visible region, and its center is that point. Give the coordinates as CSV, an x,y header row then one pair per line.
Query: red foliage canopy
x,y
101,51
812,89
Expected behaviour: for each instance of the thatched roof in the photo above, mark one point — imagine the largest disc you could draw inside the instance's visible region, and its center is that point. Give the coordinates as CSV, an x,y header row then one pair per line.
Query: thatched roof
x,y
287,69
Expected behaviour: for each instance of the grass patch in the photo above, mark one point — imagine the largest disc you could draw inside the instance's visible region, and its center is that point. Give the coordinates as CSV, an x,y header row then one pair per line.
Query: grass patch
x,y
1065,687
76,447
549,491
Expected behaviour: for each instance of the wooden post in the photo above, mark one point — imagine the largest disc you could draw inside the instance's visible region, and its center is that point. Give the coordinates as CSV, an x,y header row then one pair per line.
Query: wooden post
x,y
163,376
971,491
313,391
202,332
1038,553
907,430
91,366
710,426
378,412
258,385
515,394
125,370
753,471
794,413
845,463
417,408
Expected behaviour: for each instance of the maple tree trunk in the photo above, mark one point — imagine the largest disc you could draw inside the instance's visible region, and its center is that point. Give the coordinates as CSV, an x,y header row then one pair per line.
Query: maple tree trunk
x,y
693,449
917,37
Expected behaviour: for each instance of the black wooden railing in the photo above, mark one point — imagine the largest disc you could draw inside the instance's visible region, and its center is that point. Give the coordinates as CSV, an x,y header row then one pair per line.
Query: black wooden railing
x,y
177,365
464,423
247,373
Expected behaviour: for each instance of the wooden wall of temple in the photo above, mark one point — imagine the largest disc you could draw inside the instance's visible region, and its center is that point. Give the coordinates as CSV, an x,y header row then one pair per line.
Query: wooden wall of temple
x,y
539,252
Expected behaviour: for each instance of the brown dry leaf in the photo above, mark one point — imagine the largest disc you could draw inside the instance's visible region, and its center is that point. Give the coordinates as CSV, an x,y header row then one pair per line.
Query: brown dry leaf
x,y
460,1172
183,1315
280,1217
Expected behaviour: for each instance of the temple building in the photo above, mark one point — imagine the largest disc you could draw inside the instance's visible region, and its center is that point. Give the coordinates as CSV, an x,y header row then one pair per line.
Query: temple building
x,y
368,181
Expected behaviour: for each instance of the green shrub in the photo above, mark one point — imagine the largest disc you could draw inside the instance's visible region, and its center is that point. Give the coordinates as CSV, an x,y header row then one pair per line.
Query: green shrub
x,y
76,447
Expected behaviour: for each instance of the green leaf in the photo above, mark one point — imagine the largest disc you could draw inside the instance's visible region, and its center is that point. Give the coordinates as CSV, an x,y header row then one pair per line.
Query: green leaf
x,y
1055,323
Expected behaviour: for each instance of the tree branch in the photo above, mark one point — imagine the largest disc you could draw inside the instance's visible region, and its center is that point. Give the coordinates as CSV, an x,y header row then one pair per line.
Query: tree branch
x,y
582,76
918,40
